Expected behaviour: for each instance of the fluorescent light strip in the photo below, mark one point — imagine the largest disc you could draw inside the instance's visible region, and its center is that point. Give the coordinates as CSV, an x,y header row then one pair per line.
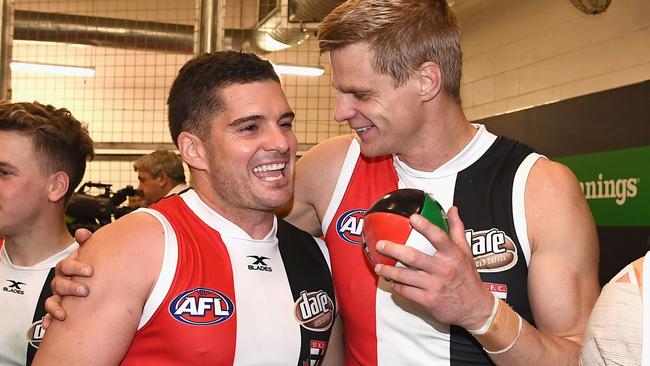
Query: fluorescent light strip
x,y
298,70
271,44
53,69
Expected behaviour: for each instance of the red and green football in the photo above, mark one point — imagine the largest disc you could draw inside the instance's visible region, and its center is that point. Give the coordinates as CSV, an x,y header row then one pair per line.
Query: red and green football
x,y
388,219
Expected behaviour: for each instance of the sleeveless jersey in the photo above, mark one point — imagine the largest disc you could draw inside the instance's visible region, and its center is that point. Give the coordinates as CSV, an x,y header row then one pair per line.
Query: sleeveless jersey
x,y
486,181
22,305
223,298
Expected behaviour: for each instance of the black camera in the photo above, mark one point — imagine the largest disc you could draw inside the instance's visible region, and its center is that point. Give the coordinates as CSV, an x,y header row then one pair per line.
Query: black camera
x,y
94,211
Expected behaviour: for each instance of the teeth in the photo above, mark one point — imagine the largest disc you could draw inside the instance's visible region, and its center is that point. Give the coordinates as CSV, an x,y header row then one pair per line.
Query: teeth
x,y
269,167
272,179
362,129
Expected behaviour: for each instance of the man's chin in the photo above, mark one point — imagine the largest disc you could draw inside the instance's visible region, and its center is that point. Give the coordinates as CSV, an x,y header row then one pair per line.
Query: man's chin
x,y
276,201
372,150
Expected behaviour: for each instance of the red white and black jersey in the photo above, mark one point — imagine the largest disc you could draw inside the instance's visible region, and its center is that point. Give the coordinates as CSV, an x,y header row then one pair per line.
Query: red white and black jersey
x,y
223,298
486,181
23,291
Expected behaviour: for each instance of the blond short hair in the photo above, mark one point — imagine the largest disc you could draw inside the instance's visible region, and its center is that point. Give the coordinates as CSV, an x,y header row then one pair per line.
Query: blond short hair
x,y
402,35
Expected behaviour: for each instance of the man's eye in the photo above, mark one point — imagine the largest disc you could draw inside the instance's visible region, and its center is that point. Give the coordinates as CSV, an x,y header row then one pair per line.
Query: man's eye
x,y
361,96
287,125
249,128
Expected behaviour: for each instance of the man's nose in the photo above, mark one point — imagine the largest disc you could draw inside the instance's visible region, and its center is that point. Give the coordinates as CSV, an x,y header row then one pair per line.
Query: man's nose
x,y
343,110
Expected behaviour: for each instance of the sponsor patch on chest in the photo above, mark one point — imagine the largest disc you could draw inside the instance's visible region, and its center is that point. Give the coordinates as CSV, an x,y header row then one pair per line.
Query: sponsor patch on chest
x,y
35,333
493,250
314,310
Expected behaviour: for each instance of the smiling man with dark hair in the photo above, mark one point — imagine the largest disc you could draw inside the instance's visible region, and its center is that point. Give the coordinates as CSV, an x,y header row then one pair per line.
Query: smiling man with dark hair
x,y
180,276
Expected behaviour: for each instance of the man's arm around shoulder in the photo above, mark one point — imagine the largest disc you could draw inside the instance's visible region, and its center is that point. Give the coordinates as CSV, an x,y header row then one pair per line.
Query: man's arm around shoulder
x,y
317,172
126,257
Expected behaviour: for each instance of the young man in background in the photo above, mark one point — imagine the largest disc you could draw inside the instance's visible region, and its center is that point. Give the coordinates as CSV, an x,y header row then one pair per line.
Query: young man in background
x,y
43,153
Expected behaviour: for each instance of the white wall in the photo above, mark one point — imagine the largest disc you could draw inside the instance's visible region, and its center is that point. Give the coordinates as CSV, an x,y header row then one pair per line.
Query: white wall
x,y
519,54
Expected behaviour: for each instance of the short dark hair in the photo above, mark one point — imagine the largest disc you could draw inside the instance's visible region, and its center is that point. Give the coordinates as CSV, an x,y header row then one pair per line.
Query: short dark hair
x,y
60,139
195,95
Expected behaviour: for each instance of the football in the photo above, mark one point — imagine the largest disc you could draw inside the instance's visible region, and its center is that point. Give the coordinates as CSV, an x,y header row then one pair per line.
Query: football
x,y
388,219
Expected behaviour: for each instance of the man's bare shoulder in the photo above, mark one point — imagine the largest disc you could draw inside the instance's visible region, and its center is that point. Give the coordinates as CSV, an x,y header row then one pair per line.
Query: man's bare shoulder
x,y
554,199
318,169
317,172
549,171
126,257
136,239
332,149
135,227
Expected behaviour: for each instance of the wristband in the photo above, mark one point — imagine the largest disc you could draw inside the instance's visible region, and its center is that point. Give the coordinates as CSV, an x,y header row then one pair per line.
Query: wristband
x,y
511,344
488,322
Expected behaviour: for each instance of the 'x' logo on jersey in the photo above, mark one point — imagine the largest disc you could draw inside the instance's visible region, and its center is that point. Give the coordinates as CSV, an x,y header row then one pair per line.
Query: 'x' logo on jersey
x,y
259,259
16,284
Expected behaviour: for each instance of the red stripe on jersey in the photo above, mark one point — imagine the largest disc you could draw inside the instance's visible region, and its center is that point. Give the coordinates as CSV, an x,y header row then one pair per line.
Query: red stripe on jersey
x,y
354,280
203,264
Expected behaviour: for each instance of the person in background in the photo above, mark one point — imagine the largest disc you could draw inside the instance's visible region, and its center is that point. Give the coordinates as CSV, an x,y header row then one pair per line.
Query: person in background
x,y
135,201
617,331
43,154
160,174
209,276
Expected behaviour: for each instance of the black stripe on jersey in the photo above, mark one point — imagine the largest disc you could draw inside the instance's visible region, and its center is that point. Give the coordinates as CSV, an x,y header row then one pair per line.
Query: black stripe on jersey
x,y
39,313
307,270
483,195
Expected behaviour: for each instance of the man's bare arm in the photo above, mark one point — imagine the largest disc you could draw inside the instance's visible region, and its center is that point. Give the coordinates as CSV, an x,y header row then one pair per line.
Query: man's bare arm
x,y
126,257
335,354
562,276
563,272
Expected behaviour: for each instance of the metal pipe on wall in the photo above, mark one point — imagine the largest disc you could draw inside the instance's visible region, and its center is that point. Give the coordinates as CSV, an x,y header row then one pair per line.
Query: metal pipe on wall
x,y
210,32
5,50
106,32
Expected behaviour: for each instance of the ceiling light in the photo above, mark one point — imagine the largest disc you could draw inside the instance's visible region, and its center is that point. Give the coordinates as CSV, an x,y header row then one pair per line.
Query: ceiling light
x,y
53,69
270,44
298,70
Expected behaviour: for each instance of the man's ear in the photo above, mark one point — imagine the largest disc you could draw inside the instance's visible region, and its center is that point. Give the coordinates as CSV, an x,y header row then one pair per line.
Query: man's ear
x,y
430,78
162,178
58,186
192,150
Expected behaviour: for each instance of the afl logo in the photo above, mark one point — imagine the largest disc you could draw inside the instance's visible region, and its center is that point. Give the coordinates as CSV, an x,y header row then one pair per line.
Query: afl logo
x,y
349,226
201,306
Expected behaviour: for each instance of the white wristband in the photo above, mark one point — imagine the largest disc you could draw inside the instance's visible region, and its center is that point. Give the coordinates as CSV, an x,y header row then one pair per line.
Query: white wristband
x,y
511,344
482,330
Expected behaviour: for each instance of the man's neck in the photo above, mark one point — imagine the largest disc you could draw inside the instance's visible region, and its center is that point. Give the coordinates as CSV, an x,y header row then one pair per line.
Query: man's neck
x,y
34,246
442,138
256,223
169,188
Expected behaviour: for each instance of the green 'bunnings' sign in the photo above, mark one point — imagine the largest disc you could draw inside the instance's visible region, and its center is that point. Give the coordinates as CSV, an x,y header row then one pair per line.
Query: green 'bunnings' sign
x,y
616,185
